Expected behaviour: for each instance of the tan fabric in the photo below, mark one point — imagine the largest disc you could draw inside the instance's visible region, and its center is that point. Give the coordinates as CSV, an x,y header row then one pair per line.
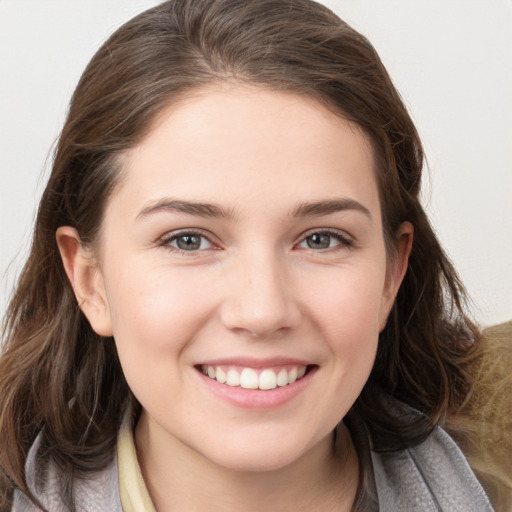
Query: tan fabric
x,y
483,426
132,489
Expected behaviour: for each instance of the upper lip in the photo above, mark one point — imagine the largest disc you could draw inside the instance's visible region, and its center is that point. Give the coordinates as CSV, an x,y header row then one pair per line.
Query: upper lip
x,y
252,362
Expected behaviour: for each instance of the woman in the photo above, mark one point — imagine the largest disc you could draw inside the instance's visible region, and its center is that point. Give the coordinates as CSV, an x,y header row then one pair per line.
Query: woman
x,y
233,295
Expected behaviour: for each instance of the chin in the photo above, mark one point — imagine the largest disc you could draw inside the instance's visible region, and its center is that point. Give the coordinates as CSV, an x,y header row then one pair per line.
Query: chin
x,y
249,462
256,455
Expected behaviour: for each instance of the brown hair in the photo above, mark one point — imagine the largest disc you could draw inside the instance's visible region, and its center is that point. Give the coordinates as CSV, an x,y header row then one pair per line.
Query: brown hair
x,y
59,378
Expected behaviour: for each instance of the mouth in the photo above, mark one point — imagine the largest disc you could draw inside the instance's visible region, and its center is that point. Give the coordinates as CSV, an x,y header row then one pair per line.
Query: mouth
x,y
256,384
260,378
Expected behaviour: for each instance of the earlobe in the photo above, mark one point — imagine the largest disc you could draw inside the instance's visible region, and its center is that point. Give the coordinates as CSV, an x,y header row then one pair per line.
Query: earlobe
x,y
86,279
397,268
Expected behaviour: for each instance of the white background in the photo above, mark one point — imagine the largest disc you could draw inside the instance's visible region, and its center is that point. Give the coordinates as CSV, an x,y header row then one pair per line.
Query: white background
x,y
450,59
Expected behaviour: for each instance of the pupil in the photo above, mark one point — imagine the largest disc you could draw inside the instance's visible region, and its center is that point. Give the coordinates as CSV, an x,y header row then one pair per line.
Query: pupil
x,y
318,241
188,242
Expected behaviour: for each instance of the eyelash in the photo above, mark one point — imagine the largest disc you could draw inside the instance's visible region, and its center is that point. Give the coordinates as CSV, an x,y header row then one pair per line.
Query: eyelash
x,y
344,241
169,238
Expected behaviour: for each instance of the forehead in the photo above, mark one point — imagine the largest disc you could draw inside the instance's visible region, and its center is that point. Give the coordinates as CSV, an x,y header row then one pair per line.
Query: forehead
x,y
234,141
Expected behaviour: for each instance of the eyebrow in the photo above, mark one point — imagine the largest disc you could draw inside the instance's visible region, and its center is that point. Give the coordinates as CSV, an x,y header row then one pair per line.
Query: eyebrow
x,y
319,208
304,209
188,207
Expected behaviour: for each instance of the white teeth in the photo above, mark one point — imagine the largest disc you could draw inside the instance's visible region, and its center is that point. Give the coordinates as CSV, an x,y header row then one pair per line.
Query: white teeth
x,y
282,378
268,379
249,378
220,375
233,378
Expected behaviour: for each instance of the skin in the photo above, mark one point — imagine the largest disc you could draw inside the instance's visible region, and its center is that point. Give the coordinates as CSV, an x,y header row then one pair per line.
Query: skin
x,y
254,288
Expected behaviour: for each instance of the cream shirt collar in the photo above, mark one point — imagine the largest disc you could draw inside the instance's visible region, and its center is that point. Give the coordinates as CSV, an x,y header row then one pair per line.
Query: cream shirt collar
x,y
132,488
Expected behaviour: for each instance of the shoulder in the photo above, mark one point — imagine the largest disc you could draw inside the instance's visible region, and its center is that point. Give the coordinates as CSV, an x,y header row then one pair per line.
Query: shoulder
x,y
433,476
99,492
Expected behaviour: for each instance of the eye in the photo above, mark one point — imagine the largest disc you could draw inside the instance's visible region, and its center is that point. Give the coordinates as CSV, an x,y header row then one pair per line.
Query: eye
x,y
321,240
188,241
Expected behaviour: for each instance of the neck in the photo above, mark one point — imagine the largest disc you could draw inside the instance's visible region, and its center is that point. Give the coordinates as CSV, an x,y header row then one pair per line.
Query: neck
x,y
179,478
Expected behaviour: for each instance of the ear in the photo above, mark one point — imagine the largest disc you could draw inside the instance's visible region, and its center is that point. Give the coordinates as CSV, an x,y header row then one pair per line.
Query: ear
x,y
397,267
86,279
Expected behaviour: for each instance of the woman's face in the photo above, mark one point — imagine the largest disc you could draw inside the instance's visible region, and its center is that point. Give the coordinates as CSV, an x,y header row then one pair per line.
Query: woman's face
x,y
244,249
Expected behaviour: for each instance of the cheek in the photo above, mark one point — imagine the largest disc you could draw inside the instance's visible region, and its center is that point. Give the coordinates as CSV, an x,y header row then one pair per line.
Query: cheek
x,y
348,315
344,308
348,302
154,305
155,314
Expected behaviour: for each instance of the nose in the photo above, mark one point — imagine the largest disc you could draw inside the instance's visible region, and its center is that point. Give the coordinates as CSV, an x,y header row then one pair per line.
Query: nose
x,y
259,298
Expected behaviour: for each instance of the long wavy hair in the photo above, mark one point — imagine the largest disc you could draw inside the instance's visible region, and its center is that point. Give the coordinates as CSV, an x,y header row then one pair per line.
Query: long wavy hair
x,y
59,378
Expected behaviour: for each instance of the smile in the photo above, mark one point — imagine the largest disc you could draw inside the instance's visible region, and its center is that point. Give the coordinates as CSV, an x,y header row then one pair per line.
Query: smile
x,y
251,378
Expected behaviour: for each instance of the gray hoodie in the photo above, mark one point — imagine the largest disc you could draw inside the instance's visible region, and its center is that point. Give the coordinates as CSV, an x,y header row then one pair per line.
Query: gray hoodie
x,y
431,477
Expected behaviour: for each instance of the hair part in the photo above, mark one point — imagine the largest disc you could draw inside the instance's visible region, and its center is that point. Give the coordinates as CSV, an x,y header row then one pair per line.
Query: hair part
x,y
59,377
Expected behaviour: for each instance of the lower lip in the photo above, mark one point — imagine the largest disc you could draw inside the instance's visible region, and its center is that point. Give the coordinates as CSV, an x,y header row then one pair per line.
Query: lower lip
x,y
257,398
